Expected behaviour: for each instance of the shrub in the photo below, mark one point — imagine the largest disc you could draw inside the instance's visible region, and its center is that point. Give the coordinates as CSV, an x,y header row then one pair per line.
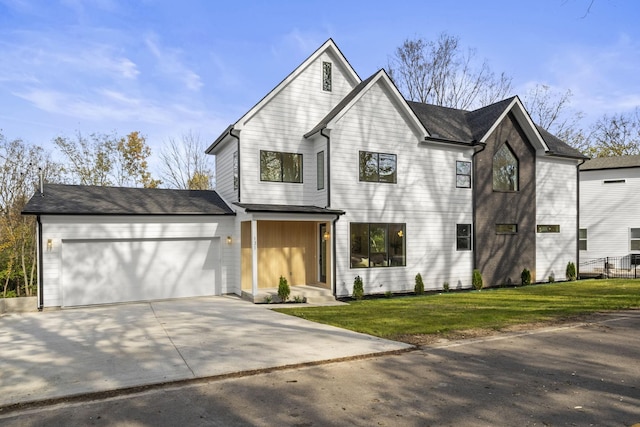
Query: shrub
x,y
526,277
358,288
283,289
571,271
445,286
388,294
552,278
419,287
299,299
476,280
268,299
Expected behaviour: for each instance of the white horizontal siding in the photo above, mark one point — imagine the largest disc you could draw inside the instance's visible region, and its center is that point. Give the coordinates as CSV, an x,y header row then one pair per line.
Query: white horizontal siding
x,y
61,228
608,211
425,198
557,204
224,172
280,126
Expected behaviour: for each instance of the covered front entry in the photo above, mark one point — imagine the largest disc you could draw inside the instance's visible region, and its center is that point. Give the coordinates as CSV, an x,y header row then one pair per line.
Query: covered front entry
x,y
294,242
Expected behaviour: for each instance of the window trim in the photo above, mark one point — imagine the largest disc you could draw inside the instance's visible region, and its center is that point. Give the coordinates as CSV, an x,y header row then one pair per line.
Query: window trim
x,y
634,239
463,175
582,239
459,237
361,176
388,262
282,169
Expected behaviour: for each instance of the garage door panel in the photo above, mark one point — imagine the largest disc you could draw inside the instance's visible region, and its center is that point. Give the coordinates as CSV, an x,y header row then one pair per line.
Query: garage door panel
x,y
107,271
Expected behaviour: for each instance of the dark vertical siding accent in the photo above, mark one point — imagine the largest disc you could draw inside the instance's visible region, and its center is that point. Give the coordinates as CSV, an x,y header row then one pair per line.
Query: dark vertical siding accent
x,y
502,257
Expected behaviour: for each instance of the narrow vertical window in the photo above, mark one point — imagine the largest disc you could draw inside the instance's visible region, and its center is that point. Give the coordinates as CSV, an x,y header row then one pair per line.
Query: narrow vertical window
x,y
236,175
582,239
320,170
463,237
505,170
326,76
463,174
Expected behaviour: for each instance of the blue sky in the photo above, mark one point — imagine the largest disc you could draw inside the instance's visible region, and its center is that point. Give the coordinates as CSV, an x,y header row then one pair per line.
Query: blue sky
x,y
168,67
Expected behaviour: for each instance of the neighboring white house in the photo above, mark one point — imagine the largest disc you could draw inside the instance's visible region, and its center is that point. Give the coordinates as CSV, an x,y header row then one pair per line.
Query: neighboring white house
x,y
328,177
610,210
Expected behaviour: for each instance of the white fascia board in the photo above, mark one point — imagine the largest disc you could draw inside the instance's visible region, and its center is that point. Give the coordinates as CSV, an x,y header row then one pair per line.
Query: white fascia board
x,y
525,121
382,77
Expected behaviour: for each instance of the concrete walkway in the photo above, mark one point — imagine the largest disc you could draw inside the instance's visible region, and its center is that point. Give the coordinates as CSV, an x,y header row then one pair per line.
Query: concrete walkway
x,y
77,351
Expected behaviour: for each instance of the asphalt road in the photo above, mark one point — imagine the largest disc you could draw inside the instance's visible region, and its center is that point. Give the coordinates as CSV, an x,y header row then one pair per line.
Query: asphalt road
x,y
577,375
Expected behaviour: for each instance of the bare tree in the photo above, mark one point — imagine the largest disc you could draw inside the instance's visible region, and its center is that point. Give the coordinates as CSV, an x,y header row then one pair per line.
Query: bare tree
x,y
442,73
184,164
552,110
616,135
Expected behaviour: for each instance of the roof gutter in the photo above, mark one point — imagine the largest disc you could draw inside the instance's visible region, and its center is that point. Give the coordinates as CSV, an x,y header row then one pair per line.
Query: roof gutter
x,y
219,139
452,141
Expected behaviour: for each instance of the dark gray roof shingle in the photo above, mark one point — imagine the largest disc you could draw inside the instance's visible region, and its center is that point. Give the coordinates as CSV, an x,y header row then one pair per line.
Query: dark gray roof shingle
x,y
61,199
617,162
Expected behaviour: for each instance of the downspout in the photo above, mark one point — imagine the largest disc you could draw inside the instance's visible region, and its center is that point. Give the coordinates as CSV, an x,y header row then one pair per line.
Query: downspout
x,y
237,137
328,167
40,264
474,144
578,219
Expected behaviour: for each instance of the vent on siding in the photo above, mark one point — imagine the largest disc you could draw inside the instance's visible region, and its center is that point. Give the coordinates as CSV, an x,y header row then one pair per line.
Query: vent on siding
x,y
614,181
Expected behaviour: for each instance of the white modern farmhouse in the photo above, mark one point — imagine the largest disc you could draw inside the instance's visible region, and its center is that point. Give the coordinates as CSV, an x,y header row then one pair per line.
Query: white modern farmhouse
x,y
328,177
610,212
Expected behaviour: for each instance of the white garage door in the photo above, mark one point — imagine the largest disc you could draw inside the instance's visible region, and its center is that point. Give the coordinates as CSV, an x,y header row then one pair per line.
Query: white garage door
x,y
108,271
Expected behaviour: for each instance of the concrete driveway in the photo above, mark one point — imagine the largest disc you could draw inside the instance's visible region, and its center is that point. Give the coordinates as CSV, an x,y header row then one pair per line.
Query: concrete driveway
x,y
84,350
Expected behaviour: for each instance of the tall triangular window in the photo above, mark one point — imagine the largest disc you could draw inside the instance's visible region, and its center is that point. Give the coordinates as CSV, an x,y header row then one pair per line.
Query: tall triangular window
x,y
505,169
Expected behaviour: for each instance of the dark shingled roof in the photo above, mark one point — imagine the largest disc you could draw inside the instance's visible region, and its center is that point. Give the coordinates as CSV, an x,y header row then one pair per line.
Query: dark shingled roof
x,y
251,207
617,162
61,199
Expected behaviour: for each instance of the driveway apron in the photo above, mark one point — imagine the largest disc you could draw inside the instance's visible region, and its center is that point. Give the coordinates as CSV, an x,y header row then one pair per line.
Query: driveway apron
x,y
93,349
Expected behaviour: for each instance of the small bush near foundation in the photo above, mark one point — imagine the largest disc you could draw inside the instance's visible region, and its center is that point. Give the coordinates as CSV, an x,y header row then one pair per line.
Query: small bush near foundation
x,y
388,294
283,289
476,280
552,278
419,287
268,299
571,271
525,276
358,288
445,286
300,299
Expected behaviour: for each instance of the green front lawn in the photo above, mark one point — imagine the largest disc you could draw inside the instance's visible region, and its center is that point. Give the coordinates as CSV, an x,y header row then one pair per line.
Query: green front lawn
x,y
492,309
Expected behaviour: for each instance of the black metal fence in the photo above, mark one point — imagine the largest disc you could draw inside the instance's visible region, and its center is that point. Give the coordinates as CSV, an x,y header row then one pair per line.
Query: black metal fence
x,y
623,267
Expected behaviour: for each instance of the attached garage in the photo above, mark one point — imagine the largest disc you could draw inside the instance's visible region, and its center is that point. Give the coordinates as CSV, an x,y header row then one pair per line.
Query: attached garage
x,y
102,245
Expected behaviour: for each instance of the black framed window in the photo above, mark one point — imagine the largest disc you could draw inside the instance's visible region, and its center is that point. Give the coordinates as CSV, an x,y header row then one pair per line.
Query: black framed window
x,y
506,228
378,167
634,239
280,167
326,76
463,174
554,228
463,237
505,169
378,245
320,170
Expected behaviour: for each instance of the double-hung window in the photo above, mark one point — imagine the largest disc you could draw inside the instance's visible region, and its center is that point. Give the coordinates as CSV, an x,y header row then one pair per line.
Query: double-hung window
x,y
463,174
463,237
634,237
582,239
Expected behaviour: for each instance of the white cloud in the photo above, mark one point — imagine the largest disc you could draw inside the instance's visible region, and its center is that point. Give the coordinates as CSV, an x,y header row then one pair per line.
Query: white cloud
x,y
169,62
